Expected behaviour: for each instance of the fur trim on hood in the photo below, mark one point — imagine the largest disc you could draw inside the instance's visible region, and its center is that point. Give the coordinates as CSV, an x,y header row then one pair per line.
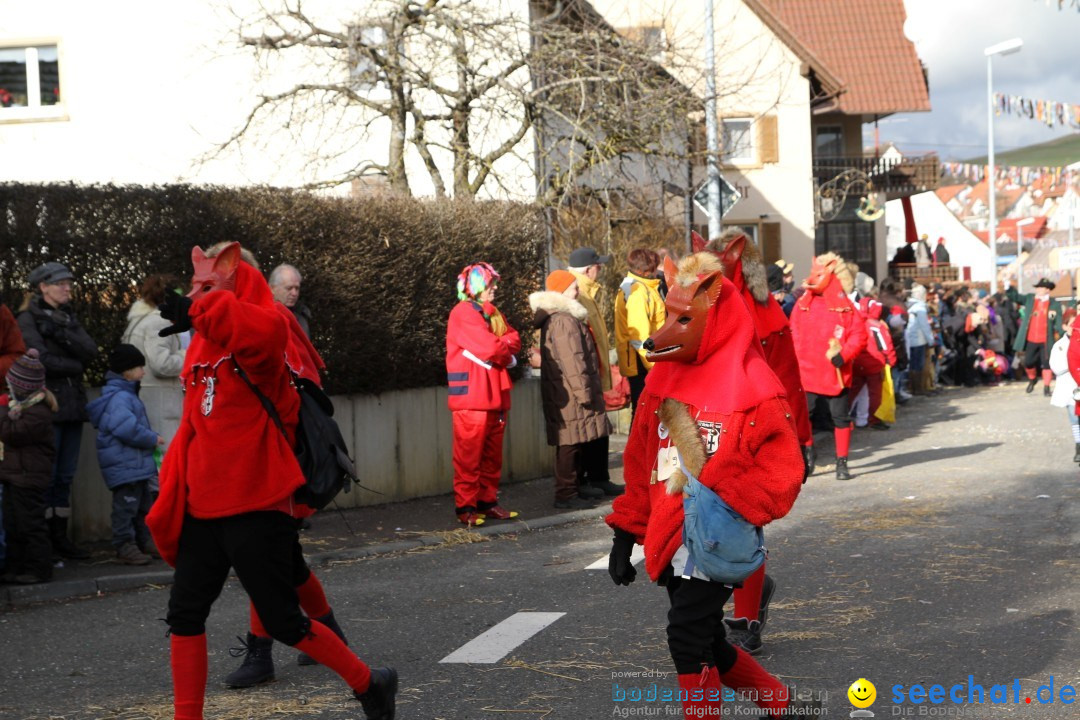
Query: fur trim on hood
x,y
753,265
139,308
691,266
687,440
840,269
553,302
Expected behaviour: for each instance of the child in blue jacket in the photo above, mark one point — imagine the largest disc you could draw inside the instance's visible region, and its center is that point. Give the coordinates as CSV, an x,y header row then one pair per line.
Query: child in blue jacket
x,y
125,447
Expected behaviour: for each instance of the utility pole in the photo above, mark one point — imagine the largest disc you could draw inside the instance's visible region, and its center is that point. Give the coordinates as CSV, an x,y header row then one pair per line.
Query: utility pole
x,y
711,129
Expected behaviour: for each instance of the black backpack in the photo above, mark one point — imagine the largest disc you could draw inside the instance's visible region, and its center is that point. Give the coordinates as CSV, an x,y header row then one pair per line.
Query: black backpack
x,y
320,449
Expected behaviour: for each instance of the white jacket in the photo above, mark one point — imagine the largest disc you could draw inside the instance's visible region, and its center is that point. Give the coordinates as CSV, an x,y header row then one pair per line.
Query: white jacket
x,y
1059,363
164,355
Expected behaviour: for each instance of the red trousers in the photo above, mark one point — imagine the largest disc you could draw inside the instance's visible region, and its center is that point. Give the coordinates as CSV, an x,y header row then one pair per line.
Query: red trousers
x,y
478,448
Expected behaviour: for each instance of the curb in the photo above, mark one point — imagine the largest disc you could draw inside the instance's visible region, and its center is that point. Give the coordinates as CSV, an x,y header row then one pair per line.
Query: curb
x,y
23,595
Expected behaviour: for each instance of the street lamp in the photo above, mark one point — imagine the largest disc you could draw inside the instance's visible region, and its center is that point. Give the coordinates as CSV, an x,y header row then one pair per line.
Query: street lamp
x,y
1020,253
1002,48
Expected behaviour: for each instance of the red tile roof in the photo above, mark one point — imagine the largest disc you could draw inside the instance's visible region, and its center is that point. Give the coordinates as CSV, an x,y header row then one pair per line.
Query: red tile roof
x,y
948,192
862,43
1007,226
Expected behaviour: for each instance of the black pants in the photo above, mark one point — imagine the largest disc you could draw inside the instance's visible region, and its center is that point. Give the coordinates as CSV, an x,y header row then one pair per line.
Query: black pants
x,y
839,407
696,633
262,547
29,550
594,461
130,504
637,385
1036,356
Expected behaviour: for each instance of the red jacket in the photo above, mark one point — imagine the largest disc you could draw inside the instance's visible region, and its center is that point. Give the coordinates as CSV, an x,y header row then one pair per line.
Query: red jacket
x,y
472,385
815,320
755,465
228,457
879,350
12,346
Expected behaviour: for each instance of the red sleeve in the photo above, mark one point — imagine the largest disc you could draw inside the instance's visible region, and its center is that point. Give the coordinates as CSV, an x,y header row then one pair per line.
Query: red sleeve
x,y
855,338
256,336
1074,354
472,333
512,340
760,476
12,346
890,349
631,510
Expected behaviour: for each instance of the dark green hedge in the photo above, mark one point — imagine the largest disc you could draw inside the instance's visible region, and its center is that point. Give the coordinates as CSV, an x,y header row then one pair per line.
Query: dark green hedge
x,y
378,273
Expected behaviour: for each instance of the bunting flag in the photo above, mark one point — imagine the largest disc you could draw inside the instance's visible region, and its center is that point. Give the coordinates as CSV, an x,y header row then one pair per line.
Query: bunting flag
x,y
1048,112
1017,175
1062,4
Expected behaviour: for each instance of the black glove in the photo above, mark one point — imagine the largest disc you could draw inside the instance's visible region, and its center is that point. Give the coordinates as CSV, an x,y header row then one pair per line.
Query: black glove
x,y
176,308
619,566
837,360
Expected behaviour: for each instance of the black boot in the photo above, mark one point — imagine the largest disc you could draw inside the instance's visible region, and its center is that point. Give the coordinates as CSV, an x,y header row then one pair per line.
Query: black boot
x,y
378,699
1076,457
258,665
842,472
1047,392
62,546
608,488
809,456
1031,385
747,634
329,621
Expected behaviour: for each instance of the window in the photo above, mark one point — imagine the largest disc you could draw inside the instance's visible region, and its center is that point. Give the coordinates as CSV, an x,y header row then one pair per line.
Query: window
x,y
828,141
29,81
738,141
363,69
853,241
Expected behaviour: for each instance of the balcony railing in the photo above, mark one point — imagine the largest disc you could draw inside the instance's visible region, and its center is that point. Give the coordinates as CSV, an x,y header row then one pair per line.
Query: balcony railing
x,y
896,178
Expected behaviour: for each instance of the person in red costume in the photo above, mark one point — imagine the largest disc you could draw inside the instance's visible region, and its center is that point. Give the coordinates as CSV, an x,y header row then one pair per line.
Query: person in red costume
x,y
480,349
745,267
869,366
712,401
228,479
829,334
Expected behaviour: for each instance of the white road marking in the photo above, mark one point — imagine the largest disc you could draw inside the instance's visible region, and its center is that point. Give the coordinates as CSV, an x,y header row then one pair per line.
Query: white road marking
x,y
494,644
636,556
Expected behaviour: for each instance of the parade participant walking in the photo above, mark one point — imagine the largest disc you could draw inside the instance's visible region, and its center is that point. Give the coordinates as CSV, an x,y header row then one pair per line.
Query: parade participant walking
x,y
1039,330
49,325
829,334
574,411
639,312
480,348
1064,385
228,480
746,269
712,405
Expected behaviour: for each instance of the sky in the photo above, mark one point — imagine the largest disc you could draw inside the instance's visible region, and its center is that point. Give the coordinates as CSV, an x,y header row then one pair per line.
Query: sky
x,y
950,36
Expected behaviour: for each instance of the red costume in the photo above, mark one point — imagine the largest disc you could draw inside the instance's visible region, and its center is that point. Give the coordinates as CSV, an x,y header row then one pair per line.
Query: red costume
x,y
480,349
869,366
711,400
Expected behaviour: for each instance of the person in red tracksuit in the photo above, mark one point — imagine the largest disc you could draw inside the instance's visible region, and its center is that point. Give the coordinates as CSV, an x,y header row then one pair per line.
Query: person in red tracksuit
x,y
711,402
869,367
480,348
829,334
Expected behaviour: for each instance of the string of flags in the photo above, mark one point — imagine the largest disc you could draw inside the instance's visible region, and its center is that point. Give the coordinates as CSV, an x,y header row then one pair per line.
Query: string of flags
x,y
1017,175
1061,4
1048,112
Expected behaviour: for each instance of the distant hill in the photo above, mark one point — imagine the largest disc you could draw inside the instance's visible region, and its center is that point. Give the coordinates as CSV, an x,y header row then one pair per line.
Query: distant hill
x,y
1056,153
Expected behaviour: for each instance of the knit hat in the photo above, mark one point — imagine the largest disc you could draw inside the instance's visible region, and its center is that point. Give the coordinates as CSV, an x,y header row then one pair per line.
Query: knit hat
x,y
918,292
475,279
125,357
774,276
864,283
559,280
27,374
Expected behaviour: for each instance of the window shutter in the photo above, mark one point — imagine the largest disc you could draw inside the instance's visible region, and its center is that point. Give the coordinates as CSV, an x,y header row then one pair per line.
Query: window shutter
x,y
768,140
770,242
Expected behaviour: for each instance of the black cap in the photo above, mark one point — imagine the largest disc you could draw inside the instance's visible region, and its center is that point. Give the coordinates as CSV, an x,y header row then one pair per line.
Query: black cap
x,y
1045,282
774,276
584,257
50,272
125,357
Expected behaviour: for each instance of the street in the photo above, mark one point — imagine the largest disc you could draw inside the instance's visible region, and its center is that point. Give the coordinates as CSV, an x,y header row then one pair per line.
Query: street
x,y
953,553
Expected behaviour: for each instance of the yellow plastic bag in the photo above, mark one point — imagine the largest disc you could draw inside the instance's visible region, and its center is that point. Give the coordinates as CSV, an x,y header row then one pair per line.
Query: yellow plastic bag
x,y
886,412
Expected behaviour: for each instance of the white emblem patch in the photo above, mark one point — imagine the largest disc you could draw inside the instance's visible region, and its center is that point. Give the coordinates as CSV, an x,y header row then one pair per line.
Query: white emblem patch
x,y
208,395
710,435
662,431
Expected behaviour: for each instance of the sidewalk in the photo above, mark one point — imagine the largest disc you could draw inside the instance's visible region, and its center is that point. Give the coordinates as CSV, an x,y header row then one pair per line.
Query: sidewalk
x,y
335,535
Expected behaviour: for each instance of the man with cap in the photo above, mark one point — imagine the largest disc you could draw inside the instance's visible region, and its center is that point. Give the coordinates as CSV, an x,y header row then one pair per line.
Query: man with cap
x,y
49,325
788,273
585,264
1039,329
774,277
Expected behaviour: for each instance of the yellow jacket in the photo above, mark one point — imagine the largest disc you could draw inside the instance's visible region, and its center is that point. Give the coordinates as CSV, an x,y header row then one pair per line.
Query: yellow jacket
x,y
589,288
639,312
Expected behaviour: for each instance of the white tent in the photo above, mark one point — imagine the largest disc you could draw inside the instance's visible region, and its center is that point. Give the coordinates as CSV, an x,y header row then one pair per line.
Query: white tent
x,y
935,220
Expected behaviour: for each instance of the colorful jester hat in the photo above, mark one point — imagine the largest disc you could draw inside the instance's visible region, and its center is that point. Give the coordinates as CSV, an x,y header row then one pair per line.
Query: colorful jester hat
x,y
474,279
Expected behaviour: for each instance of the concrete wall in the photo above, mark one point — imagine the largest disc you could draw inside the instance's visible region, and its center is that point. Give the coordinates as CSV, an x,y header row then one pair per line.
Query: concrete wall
x,y
400,440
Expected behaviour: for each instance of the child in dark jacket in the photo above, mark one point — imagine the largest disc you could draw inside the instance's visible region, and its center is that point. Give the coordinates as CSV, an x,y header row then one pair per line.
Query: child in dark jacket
x,y
26,464
125,447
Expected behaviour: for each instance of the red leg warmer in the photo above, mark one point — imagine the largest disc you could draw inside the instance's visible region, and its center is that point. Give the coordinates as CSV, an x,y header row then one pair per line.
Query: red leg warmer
x,y
1030,373
748,597
843,441
312,598
189,675
326,647
1047,376
764,689
257,628
701,694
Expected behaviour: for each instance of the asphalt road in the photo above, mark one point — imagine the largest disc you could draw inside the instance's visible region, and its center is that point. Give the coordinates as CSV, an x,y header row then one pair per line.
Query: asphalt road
x,y
952,554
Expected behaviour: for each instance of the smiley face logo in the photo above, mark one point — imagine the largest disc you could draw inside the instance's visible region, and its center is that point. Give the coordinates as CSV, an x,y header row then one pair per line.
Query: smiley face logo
x,y
862,693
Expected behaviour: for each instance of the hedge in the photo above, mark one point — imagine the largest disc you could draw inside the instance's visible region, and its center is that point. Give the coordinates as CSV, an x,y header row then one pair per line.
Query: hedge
x,y
378,272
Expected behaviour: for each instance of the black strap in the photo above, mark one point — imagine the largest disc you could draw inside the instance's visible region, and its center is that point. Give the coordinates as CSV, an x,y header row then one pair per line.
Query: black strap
x,y
267,405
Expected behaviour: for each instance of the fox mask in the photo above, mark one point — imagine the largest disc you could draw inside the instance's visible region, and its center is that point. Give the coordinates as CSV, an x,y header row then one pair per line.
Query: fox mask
x,y
820,274
214,273
679,339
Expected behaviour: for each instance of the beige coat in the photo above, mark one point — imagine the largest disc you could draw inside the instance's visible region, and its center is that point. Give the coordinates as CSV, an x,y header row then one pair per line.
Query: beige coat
x,y
569,371
589,289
